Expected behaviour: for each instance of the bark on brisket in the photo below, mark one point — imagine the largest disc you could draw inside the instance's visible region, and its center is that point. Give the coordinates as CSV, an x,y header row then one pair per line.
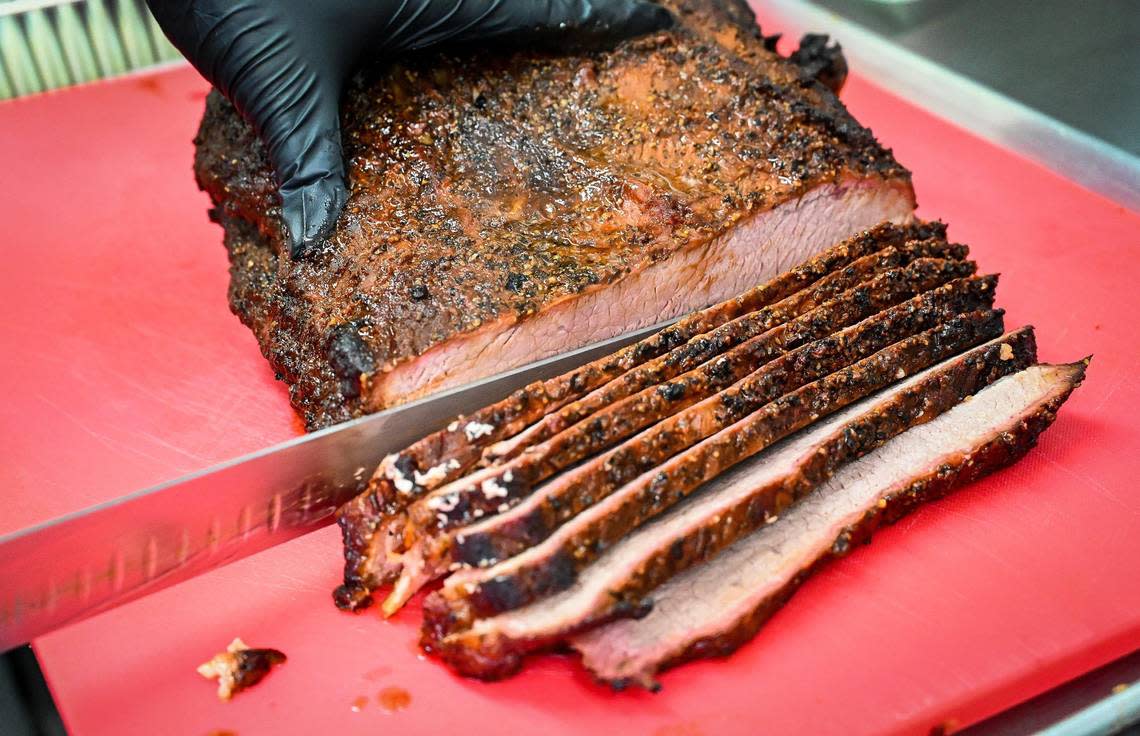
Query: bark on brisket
x,y
487,187
484,593
496,653
365,520
1000,449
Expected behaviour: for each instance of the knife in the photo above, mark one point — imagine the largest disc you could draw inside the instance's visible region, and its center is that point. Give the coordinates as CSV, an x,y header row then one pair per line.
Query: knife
x,y
92,560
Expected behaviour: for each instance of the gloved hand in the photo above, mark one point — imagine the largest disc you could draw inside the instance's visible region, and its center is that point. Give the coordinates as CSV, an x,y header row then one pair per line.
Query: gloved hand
x,y
283,64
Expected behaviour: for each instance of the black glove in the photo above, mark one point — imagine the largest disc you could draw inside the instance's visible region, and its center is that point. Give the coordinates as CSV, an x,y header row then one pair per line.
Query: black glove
x,y
283,64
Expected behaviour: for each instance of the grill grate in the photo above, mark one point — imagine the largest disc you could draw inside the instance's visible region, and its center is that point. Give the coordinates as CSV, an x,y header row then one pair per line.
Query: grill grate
x,y
47,44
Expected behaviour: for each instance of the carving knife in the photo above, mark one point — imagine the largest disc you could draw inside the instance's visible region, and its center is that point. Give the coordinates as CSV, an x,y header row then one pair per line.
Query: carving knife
x,y
92,560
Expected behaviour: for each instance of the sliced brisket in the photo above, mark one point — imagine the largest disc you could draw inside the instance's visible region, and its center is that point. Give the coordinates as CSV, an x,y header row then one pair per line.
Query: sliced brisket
x,y
731,505
708,345
496,489
373,522
711,609
553,565
469,498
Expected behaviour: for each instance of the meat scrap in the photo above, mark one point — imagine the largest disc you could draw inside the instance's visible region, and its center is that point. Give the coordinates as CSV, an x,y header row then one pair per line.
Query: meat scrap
x,y
239,667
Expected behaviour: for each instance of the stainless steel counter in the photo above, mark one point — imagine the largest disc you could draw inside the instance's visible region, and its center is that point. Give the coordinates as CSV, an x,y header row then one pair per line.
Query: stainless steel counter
x,y
1077,61
1054,80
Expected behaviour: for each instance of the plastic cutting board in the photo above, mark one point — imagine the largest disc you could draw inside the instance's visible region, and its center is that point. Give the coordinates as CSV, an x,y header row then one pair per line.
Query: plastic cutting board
x,y
122,366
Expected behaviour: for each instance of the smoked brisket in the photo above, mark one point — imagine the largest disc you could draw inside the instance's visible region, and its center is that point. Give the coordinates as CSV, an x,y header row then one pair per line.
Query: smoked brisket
x,y
505,206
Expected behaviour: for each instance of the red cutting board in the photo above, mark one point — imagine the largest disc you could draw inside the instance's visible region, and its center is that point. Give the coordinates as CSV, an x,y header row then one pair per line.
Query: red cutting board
x,y
122,367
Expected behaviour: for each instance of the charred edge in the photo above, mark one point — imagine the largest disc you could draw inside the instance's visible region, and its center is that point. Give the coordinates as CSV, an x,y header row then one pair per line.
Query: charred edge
x,y
821,62
358,526
489,661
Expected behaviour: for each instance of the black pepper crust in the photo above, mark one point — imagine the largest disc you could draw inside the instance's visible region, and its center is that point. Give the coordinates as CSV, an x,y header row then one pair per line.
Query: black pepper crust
x,y
365,520
943,389
485,189
1001,449
842,369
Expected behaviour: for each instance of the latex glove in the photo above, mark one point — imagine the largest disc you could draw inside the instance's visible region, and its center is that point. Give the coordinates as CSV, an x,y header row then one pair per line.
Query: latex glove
x,y
283,64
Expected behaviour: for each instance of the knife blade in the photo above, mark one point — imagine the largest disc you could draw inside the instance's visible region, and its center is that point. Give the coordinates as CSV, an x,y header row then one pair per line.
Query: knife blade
x,y
92,560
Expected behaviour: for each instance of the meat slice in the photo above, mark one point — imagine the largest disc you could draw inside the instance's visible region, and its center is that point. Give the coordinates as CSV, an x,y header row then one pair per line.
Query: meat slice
x,y
430,544
708,345
737,502
372,521
711,609
506,206
552,566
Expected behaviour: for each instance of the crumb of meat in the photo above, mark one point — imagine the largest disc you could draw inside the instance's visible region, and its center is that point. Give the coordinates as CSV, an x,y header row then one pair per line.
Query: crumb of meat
x,y
444,503
492,489
475,430
239,667
435,473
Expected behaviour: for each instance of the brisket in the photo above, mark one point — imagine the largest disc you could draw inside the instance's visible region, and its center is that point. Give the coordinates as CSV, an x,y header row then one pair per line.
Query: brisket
x,y
553,566
513,531
731,505
711,609
506,206
497,489
430,459
706,346
467,499
372,523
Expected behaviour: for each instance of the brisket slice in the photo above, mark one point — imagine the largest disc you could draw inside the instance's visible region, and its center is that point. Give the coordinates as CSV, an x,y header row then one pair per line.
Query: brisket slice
x,y
371,522
706,346
553,565
429,549
711,609
733,504
506,206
